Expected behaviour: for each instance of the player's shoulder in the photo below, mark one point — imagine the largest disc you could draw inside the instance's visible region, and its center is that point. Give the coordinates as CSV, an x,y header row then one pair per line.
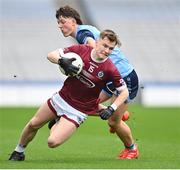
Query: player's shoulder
x,y
86,28
85,47
110,64
81,47
86,31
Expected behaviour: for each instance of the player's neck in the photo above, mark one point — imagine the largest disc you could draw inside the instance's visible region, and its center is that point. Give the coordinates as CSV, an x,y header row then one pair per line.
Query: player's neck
x,y
73,34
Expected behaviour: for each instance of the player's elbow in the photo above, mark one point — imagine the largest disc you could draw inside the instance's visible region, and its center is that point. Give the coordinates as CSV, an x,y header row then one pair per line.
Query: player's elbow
x,y
53,57
49,56
126,92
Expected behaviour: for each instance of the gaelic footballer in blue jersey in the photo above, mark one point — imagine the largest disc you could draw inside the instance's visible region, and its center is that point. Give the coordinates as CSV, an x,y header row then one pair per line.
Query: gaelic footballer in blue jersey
x,y
70,24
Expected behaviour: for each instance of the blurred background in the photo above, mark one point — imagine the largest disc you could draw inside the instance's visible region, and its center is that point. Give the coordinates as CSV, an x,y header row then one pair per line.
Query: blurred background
x,y
148,29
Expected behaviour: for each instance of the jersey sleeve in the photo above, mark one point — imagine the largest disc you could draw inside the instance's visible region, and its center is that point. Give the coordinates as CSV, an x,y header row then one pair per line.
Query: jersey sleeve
x,y
82,36
73,48
81,49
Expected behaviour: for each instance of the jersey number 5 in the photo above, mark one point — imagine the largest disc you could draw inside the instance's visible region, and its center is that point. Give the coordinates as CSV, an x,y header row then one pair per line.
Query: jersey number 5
x,y
91,68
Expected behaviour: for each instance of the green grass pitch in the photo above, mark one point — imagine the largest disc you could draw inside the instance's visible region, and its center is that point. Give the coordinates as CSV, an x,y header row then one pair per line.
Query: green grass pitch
x,y
157,131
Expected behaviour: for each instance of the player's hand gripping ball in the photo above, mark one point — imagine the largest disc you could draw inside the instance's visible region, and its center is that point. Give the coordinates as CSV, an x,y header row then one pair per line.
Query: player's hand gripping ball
x,y
70,64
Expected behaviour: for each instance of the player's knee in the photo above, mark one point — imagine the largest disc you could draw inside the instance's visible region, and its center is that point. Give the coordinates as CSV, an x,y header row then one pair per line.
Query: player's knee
x,y
52,142
114,123
32,125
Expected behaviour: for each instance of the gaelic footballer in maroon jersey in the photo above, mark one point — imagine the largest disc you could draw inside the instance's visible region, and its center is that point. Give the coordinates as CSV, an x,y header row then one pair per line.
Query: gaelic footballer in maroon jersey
x,y
78,95
83,94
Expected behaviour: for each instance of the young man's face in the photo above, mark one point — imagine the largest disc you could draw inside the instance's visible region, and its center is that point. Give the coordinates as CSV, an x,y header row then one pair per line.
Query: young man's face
x,y
67,25
104,48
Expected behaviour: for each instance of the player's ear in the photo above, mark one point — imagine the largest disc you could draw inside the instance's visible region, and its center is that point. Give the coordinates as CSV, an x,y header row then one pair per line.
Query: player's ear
x,y
97,42
74,21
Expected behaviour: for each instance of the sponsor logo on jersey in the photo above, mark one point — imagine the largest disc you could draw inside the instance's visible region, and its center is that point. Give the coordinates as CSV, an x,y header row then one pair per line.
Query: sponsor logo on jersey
x,y
85,81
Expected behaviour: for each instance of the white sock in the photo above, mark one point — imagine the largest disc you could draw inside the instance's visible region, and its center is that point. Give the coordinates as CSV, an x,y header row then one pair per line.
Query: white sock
x,y
132,147
19,148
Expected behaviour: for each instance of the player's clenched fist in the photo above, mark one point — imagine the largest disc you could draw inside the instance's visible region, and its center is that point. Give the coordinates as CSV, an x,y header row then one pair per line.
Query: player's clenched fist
x,y
66,64
106,113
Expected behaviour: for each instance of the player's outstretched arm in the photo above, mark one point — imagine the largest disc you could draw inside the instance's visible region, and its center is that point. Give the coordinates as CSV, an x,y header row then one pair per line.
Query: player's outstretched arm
x,y
108,112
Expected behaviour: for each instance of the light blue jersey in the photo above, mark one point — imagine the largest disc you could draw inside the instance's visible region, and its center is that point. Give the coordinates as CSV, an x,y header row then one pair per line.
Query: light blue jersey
x,y
117,57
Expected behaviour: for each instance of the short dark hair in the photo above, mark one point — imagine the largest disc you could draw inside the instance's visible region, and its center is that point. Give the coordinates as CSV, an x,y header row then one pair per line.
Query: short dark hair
x,y
68,11
111,35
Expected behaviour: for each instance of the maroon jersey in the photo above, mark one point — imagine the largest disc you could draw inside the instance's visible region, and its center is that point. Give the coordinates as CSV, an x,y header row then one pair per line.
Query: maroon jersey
x,y
82,91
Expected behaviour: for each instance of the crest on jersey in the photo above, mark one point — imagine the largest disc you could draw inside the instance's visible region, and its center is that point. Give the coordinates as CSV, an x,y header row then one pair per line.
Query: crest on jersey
x,y
100,74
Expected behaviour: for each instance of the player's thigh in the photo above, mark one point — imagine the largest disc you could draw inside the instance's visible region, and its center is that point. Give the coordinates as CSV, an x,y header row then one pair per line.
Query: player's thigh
x,y
103,96
62,131
42,116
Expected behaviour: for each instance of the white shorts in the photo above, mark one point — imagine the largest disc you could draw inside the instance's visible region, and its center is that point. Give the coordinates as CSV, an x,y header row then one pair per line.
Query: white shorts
x,y
61,108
